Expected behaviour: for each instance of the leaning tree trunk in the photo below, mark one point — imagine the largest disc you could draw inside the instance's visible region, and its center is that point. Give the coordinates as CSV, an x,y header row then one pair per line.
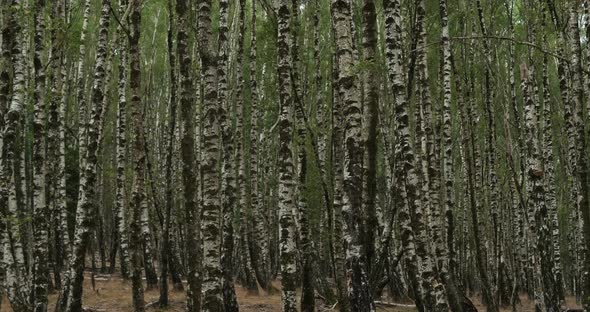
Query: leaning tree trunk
x,y
287,246
84,222
359,290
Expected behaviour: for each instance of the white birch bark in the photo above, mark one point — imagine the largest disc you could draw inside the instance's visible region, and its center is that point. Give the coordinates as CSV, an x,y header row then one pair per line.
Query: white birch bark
x,y
17,283
84,222
286,166
40,208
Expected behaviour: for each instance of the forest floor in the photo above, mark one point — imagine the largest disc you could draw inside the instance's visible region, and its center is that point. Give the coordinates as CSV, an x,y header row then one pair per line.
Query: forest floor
x,y
111,293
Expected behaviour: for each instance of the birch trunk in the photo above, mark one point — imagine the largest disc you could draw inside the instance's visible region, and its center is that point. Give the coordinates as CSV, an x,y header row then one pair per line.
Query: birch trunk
x,y
187,148
81,93
139,160
84,222
370,123
446,252
121,141
359,290
228,184
286,169
40,208
54,179
581,168
307,265
337,157
16,282
5,85
212,275
165,248
256,207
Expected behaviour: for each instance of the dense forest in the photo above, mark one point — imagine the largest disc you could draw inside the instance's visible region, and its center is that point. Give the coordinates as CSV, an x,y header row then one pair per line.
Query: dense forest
x,y
342,155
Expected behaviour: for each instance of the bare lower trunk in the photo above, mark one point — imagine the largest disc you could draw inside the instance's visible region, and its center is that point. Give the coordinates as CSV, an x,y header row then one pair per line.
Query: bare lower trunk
x,y
138,197
286,170
187,147
17,283
359,290
40,208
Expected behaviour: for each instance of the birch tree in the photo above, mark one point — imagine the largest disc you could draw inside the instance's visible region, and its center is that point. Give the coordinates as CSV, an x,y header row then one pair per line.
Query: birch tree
x,y
286,167
16,284
139,157
40,205
84,223
360,297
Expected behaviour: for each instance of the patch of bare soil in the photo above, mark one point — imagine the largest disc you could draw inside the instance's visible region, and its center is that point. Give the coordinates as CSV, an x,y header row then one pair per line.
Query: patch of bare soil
x,y
113,294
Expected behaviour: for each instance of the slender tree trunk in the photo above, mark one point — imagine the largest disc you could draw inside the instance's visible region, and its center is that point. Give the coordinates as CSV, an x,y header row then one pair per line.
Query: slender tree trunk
x,y
40,207
212,275
435,297
146,238
138,197
445,253
84,222
406,186
54,177
121,140
370,120
286,169
16,284
307,267
339,265
187,147
581,158
81,94
228,184
165,248
256,207
5,86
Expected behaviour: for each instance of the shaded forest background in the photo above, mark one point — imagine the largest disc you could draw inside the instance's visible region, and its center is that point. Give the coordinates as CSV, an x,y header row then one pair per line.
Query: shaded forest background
x,y
347,154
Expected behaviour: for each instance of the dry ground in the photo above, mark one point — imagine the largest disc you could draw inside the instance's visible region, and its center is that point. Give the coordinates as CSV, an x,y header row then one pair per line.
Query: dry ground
x,y
114,294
